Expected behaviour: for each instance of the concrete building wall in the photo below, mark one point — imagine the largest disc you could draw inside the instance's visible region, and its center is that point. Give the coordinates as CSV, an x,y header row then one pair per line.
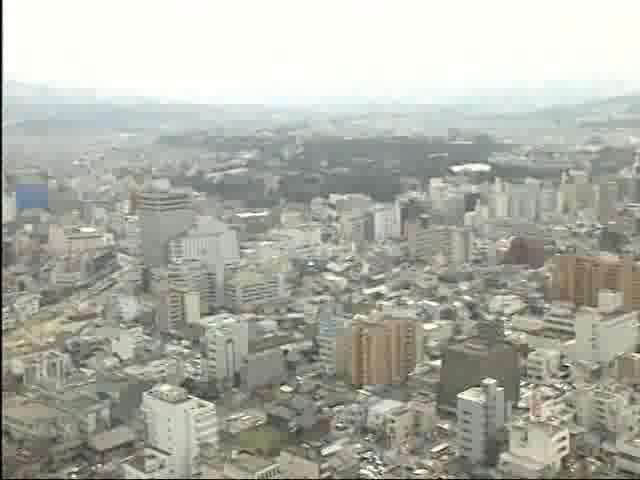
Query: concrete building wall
x,y
263,368
481,414
464,367
179,424
163,216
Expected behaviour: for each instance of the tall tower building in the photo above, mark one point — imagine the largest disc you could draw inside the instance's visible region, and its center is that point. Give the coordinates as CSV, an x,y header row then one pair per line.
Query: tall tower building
x,y
226,345
333,337
453,244
164,214
179,425
408,207
383,350
481,414
634,187
606,196
182,292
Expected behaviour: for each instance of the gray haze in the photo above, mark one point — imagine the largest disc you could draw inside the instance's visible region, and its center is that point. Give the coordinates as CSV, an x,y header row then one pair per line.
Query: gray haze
x,y
292,51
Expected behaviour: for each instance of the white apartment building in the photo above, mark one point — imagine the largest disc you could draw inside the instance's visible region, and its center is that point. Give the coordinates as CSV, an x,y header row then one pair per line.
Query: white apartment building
x,y
226,345
481,413
424,239
213,243
151,464
460,246
303,241
604,408
248,289
128,343
548,199
605,332
179,424
355,226
453,245
627,443
420,201
183,292
536,448
383,222
9,318
438,189
333,332
525,201
500,205
561,319
9,210
74,240
131,239
393,419
208,240
543,365
350,202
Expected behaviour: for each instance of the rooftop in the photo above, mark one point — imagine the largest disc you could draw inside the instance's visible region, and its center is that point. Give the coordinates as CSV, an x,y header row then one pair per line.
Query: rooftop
x,y
250,463
169,393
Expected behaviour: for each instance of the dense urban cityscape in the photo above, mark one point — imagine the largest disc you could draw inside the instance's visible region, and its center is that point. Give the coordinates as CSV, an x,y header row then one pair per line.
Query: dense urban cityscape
x,y
320,240
316,298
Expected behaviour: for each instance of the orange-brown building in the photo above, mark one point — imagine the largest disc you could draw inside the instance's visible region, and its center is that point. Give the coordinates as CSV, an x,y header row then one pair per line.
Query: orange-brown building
x,y
579,279
383,351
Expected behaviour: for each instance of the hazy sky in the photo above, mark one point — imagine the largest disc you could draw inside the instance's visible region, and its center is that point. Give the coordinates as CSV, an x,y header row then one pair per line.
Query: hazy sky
x,y
264,48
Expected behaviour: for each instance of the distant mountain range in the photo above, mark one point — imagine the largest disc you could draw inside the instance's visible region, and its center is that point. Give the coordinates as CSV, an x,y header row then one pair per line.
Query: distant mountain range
x,y
46,105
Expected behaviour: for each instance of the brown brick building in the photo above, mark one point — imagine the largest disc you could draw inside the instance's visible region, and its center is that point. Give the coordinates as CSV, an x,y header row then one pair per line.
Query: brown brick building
x,y
579,279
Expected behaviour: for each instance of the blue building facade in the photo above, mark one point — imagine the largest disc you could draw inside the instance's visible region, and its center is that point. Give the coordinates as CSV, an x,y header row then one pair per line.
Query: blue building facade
x,y
32,192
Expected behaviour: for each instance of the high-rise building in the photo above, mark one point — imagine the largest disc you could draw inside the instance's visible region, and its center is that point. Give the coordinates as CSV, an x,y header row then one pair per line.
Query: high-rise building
x,y
420,233
628,368
383,222
408,207
164,214
460,246
358,226
383,350
481,413
208,240
605,332
250,288
426,241
226,346
333,336
634,187
182,292
9,206
606,197
179,425
488,354
578,279
524,201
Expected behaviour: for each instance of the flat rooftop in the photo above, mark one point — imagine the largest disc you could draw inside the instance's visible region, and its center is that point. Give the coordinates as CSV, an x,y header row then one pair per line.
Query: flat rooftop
x,y
250,463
